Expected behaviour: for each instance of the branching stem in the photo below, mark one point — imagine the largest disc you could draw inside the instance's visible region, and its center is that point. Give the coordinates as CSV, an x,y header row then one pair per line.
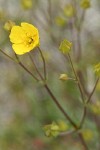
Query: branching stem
x,y
35,66
44,63
76,76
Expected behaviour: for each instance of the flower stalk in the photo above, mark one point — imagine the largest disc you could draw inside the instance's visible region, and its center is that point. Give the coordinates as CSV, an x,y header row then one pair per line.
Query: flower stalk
x,y
77,79
44,63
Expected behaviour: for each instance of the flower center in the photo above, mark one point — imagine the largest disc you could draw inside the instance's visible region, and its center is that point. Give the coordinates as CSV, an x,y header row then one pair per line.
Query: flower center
x,y
29,41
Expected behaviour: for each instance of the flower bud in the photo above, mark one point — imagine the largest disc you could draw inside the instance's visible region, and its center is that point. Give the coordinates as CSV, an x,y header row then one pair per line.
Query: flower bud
x,y
69,10
63,77
8,25
54,129
65,46
51,130
60,21
26,4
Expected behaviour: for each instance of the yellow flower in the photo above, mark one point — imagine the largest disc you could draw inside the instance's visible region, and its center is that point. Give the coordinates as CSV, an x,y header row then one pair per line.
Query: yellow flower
x,y
69,10
85,4
26,4
24,38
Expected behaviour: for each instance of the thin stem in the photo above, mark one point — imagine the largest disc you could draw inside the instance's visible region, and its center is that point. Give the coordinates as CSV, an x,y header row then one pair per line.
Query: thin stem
x,y
60,107
80,137
67,132
35,66
52,96
20,63
79,84
79,53
66,115
49,12
85,110
83,117
97,122
47,88
82,141
92,91
79,29
73,35
44,63
82,19
72,79
8,56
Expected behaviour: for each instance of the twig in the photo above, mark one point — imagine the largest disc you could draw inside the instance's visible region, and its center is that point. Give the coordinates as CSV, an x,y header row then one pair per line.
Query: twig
x,y
20,63
79,84
35,66
85,105
59,106
49,12
44,63
92,91
53,98
82,141
67,132
8,56
83,116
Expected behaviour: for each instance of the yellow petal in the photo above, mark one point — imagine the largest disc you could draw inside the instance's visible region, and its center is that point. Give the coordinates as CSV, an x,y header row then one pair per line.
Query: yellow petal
x,y
20,49
17,35
24,38
29,29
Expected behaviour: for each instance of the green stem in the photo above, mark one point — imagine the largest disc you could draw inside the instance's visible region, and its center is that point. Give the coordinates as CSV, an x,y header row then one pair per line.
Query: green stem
x,y
20,63
52,96
83,117
59,106
44,63
35,67
85,109
49,11
92,91
8,56
82,141
79,84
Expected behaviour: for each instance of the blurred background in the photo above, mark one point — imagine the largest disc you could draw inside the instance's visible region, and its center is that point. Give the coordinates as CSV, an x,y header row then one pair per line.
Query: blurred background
x,y
25,106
